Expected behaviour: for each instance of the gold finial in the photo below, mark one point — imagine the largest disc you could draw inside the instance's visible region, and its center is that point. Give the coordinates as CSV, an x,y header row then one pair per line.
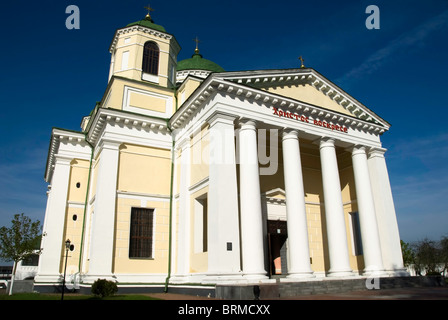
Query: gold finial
x,y
301,62
197,43
148,16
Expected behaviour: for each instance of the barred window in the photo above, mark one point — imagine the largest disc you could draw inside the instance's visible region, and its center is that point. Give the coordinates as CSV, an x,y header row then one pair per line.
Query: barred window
x,y
141,241
150,58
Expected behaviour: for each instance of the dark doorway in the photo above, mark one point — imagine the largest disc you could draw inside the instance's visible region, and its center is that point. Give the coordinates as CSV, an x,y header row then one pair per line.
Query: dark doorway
x,y
277,235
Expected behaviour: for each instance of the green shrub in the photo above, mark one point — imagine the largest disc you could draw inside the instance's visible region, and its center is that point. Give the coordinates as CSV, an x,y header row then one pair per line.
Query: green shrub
x,y
104,288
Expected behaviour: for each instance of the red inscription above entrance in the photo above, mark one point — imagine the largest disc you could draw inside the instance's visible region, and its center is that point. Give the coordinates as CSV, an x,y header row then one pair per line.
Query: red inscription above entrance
x,y
295,116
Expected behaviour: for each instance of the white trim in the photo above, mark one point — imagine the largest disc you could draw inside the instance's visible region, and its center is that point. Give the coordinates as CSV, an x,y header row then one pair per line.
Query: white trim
x,y
198,185
75,204
150,77
142,196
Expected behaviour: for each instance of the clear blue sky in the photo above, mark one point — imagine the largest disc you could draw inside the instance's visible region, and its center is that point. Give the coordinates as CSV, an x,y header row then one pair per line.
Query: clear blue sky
x,y
52,77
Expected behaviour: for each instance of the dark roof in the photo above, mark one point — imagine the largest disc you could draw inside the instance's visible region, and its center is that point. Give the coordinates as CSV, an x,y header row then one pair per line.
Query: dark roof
x,y
148,23
197,62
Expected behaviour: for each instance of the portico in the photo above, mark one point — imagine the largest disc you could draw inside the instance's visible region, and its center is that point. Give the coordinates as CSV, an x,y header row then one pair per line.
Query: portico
x,y
320,198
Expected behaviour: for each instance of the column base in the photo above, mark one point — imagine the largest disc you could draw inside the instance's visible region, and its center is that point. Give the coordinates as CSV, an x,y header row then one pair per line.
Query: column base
x,y
48,278
374,272
255,276
340,273
91,278
300,275
398,273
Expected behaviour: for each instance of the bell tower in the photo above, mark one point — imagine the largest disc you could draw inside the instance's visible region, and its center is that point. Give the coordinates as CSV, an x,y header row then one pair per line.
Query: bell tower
x,y
144,51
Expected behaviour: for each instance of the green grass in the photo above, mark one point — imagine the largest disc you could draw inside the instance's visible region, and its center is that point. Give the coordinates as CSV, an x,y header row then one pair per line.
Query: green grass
x,y
40,296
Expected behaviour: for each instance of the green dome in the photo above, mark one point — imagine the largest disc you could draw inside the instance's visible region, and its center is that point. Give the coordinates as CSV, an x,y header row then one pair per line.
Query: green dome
x,y
149,23
197,62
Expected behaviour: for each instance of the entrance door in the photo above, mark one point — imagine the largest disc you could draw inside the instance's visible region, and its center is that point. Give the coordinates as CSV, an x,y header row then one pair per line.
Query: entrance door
x,y
277,236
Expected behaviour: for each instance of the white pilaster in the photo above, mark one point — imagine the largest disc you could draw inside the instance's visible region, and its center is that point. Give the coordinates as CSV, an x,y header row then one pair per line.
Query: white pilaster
x,y
369,229
250,204
183,245
223,221
102,245
299,254
385,213
53,230
334,211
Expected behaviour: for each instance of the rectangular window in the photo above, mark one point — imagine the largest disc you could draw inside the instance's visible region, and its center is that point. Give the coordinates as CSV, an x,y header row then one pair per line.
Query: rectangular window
x,y
124,60
141,234
356,233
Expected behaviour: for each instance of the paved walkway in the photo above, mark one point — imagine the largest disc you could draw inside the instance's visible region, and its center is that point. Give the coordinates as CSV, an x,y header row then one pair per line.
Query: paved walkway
x,y
426,293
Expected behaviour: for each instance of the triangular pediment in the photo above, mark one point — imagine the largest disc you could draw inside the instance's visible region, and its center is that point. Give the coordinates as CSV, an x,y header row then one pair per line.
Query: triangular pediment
x,y
277,193
308,86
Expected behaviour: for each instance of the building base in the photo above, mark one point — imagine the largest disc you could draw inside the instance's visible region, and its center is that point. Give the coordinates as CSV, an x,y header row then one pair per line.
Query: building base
x,y
273,289
288,288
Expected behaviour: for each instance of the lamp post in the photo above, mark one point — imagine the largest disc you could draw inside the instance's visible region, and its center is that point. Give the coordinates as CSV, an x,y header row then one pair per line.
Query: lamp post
x,y
67,247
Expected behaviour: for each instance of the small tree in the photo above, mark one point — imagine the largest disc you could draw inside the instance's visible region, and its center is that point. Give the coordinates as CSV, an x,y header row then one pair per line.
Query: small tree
x,y
427,256
104,288
444,253
408,253
19,241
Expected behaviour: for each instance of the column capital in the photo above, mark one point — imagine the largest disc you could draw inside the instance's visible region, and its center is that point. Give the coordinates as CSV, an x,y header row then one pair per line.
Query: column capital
x,y
376,152
62,160
183,143
247,124
222,117
109,144
358,149
325,142
288,133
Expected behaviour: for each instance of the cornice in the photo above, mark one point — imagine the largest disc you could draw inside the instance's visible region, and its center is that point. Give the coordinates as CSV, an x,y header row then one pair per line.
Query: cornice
x,y
133,120
58,136
152,32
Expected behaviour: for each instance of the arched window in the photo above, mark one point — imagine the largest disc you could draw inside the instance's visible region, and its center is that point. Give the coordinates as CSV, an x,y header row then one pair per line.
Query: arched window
x,y
150,58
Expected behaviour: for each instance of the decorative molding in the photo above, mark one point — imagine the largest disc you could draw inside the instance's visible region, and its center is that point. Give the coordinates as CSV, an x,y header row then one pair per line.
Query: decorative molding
x,y
130,29
131,120
59,136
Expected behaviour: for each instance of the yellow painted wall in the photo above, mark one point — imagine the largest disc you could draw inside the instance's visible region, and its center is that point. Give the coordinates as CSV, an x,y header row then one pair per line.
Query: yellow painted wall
x,y
79,171
144,170
186,89
144,101
73,232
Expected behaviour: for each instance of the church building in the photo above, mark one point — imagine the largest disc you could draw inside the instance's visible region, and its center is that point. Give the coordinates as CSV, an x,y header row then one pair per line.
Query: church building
x,y
185,173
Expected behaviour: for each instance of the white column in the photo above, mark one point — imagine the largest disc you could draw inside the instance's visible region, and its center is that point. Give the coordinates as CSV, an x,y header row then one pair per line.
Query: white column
x,y
103,228
223,221
183,244
385,213
366,208
250,203
334,211
52,242
298,246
